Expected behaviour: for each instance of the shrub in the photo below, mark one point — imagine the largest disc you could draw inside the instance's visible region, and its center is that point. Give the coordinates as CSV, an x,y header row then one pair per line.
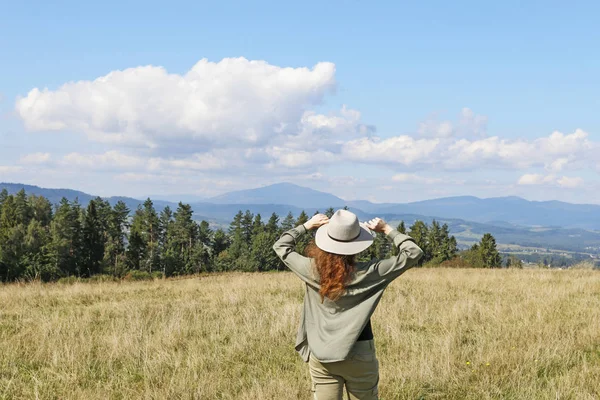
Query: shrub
x,y
158,275
135,275
102,278
456,262
68,280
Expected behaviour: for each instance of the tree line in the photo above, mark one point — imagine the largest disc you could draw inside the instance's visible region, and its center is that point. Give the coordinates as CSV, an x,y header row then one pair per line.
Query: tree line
x,y
46,242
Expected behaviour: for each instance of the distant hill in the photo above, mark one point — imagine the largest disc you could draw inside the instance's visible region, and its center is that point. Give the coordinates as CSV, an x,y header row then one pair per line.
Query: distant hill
x,y
513,210
56,195
511,220
281,193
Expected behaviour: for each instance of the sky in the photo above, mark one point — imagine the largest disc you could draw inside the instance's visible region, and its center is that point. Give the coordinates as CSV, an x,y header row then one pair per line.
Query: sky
x,y
385,101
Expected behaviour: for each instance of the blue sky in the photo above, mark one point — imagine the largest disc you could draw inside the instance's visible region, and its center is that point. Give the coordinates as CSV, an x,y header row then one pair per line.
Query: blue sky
x,y
447,98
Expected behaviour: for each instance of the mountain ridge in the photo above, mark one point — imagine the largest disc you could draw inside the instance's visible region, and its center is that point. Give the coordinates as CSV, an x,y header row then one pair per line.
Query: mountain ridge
x,y
287,196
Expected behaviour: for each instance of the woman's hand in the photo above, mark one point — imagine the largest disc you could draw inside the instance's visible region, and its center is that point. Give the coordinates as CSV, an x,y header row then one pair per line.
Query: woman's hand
x,y
379,225
316,221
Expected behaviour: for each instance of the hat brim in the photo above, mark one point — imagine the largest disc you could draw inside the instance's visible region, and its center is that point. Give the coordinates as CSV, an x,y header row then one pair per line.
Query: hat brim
x,y
361,243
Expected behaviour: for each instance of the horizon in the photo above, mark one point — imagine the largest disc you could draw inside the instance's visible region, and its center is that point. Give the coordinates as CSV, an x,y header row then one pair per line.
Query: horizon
x,y
206,199
423,102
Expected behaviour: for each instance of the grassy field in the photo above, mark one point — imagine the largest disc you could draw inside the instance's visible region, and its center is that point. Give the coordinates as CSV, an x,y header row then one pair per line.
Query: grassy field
x,y
440,334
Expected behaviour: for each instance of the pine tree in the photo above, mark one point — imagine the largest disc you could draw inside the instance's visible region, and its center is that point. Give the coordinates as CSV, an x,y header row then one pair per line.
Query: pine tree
x,y
257,225
3,197
514,262
66,235
272,226
23,212
449,245
288,222
489,254
419,232
137,246
247,225
114,250
41,209
185,233
303,240
37,262
237,237
329,212
401,228
165,233
92,241
12,236
151,229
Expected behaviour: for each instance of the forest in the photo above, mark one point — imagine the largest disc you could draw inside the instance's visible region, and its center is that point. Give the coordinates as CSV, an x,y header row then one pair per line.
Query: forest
x,y
42,241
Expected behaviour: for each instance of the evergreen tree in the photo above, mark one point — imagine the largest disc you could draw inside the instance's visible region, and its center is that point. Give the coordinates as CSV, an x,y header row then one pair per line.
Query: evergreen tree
x,y
272,226
514,262
257,225
92,248
237,237
489,254
262,256
151,232
3,197
114,250
449,248
247,225
419,232
137,246
65,231
36,261
23,212
185,234
288,222
12,234
473,256
205,233
41,210
401,228
329,212
303,240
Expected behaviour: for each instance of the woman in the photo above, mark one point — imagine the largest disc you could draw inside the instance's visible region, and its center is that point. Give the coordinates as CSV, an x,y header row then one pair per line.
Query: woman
x,y
335,335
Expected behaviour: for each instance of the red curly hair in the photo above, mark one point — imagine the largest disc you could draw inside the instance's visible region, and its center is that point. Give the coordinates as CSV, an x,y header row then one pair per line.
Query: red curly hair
x,y
335,271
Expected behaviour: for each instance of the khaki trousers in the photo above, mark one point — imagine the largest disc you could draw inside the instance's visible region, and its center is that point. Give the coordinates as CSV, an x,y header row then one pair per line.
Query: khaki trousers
x,y
359,373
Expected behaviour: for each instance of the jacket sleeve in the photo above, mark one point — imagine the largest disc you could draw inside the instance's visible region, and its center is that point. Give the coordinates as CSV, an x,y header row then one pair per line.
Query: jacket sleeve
x,y
408,256
284,247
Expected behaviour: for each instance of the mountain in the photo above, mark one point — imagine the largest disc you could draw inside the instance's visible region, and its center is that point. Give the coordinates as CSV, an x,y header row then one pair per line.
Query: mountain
x,y
56,195
513,210
512,220
281,193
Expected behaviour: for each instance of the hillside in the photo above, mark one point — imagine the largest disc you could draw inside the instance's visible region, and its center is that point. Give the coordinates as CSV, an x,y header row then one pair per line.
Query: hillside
x,y
486,216
281,193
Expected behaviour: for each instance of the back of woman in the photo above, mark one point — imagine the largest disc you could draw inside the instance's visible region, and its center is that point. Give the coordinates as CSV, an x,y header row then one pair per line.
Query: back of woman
x,y
335,335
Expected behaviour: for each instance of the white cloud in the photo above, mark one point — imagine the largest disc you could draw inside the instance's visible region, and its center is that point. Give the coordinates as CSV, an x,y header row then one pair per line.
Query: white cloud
x,y
539,179
9,169
557,165
535,179
299,158
570,182
35,158
228,103
469,125
413,178
109,160
396,150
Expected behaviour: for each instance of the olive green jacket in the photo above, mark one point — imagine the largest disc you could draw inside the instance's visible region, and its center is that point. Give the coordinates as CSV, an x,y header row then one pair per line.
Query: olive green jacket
x,y
330,329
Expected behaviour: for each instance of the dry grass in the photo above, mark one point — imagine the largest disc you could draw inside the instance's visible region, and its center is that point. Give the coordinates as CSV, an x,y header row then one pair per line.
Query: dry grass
x,y
440,334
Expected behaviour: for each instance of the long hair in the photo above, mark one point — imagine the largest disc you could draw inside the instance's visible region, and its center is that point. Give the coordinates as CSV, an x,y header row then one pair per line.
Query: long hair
x,y
335,271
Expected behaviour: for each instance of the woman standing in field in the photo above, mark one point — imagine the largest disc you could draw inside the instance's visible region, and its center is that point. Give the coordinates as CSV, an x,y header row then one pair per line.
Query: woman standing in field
x,y
335,335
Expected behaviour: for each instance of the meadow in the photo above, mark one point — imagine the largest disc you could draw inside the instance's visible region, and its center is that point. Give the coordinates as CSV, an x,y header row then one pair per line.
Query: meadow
x,y
440,334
